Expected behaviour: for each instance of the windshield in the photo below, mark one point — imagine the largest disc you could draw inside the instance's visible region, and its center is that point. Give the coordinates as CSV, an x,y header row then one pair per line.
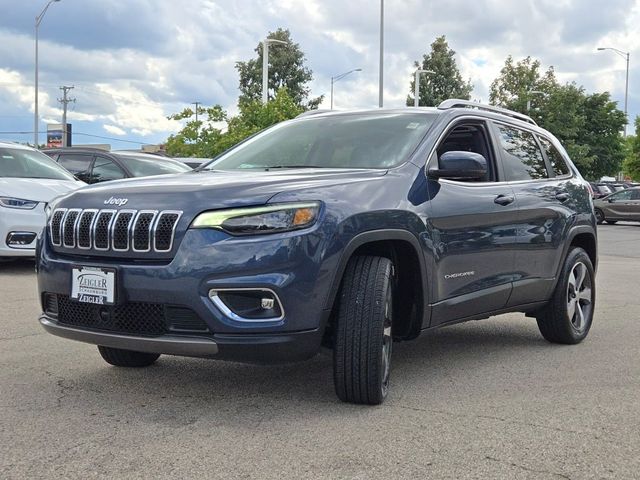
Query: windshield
x,y
380,140
148,165
26,163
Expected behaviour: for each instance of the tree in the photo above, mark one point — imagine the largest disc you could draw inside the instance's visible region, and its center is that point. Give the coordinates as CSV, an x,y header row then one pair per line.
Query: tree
x,y
588,125
512,89
445,81
601,132
197,138
631,164
286,69
219,132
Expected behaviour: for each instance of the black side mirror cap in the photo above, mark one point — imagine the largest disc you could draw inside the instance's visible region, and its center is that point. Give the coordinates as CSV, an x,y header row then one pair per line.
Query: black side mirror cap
x,y
460,165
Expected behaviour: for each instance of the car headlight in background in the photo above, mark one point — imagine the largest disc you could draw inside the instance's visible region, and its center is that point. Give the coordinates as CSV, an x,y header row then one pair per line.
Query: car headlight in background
x,y
274,218
20,203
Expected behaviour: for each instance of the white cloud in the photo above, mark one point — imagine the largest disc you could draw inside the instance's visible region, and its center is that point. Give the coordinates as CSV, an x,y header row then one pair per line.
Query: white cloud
x,y
114,129
133,72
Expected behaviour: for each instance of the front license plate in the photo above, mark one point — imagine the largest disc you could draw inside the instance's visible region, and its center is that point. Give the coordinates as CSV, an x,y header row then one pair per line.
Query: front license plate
x,y
93,285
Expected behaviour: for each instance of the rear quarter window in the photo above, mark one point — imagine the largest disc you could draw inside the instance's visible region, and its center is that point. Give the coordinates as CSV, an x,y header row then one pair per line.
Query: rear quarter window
x,y
558,163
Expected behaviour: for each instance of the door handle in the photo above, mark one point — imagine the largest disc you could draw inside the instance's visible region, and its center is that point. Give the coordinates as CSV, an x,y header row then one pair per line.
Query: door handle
x,y
504,200
562,196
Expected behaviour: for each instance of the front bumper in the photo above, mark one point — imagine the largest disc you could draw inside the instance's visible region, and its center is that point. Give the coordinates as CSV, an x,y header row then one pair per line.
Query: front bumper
x,y
290,265
254,348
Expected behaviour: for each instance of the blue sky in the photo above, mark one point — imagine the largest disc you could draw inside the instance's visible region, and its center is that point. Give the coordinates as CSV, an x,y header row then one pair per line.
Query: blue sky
x,y
133,62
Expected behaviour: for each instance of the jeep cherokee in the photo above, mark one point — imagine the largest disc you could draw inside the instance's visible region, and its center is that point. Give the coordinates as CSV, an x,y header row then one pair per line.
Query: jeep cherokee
x,y
345,229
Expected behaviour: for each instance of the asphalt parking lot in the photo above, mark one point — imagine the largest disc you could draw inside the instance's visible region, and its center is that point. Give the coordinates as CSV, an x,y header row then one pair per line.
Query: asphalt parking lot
x,y
488,399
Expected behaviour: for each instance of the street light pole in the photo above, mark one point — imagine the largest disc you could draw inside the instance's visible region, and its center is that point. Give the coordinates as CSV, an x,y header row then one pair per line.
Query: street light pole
x,y
381,78
529,93
624,55
35,109
340,77
416,94
265,66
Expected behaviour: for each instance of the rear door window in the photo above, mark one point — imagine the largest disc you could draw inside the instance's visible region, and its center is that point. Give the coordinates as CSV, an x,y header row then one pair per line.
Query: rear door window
x,y
105,169
522,157
558,163
77,163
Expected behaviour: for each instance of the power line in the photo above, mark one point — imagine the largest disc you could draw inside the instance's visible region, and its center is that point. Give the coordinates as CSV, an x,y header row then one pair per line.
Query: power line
x,y
78,133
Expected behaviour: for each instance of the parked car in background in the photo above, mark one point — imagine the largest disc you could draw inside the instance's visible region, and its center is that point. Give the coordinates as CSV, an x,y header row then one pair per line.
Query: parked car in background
x,y
622,205
601,190
93,165
29,180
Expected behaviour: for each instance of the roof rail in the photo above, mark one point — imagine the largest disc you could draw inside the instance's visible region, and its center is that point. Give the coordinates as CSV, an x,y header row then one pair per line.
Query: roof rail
x,y
456,103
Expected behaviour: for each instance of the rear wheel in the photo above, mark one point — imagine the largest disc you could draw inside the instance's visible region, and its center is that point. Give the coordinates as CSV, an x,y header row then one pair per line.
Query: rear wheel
x,y
599,216
127,358
362,339
568,316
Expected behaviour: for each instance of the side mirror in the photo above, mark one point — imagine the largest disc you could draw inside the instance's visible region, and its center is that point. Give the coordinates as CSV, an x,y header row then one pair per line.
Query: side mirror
x,y
460,165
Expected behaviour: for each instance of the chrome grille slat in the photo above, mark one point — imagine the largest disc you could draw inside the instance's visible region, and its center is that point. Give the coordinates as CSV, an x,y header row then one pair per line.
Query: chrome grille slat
x,y
103,230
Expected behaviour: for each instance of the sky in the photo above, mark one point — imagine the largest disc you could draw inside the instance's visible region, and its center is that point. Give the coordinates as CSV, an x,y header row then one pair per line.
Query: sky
x,y
133,62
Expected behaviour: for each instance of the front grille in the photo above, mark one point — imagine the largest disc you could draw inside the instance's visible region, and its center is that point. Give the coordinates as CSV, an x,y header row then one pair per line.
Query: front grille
x,y
134,318
111,230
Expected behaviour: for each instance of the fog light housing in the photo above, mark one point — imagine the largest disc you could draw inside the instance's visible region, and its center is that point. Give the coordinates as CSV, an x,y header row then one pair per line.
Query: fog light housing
x,y
248,304
20,239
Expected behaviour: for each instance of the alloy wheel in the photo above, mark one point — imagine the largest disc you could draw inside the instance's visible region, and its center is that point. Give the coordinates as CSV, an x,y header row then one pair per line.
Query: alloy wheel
x,y
579,296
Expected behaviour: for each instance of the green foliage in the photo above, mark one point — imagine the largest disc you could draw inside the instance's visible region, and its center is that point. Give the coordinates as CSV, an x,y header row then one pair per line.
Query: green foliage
x,y
197,138
516,80
286,69
219,133
631,166
588,125
446,81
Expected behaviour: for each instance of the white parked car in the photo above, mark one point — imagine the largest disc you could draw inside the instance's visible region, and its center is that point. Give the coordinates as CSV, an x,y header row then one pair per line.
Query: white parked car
x,y
29,180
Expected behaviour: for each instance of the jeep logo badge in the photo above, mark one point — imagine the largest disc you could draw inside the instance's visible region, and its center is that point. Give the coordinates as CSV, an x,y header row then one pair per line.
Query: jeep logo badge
x,y
121,202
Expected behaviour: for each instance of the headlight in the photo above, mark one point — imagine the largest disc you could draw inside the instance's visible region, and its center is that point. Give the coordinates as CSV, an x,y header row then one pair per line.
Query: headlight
x,y
274,218
10,202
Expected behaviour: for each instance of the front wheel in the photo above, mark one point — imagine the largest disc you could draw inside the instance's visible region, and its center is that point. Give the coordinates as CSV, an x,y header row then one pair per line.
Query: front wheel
x,y
568,316
362,338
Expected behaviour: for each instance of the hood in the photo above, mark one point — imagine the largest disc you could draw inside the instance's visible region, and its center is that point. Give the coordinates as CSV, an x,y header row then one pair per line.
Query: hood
x,y
198,191
37,189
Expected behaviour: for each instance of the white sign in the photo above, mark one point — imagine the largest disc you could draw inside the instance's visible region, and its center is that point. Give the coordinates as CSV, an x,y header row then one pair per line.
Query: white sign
x,y
93,285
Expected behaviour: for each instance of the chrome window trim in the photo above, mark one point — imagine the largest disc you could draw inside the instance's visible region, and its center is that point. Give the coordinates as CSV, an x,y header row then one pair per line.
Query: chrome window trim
x,y
75,223
64,213
149,230
113,230
77,231
173,230
217,301
93,229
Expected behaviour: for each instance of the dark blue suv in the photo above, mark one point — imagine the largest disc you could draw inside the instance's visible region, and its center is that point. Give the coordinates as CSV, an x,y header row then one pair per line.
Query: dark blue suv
x,y
348,230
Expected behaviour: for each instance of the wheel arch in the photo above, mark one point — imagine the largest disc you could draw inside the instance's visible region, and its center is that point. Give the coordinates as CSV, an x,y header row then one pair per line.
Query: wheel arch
x,y
403,248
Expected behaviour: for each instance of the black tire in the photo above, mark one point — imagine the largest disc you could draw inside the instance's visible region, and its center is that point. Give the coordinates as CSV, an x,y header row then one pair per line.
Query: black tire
x,y
362,337
599,216
555,321
127,358
611,222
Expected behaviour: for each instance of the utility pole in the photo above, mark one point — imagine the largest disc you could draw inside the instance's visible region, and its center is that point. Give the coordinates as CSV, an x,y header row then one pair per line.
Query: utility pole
x,y
197,104
381,73
65,100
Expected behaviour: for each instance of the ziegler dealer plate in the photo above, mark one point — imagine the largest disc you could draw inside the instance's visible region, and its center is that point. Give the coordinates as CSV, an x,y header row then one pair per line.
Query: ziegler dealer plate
x,y
93,285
